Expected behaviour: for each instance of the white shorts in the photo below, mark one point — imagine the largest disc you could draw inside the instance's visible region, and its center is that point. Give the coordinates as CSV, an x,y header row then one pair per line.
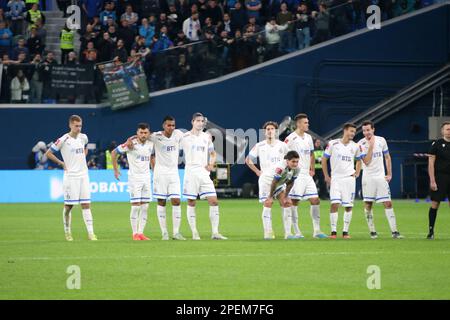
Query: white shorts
x,y
166,186
140,190
375,189
342,191
304,188
264,185
76,190
198,183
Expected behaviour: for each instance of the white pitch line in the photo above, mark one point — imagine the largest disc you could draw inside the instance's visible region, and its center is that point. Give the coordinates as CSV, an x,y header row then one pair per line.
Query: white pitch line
x,y
250,255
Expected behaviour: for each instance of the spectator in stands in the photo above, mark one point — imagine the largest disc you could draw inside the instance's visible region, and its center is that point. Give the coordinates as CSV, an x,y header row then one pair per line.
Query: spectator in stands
x,y
105,48
214,12
16,15
130,17
91,8
21,48
29,3
84,53
139,48
238,16
147,31
225,25
5,38
34,43
33,15
66,42
255,28
40,160
286,36
36,80
88,36
41,31
96,25
175,19
48,95
322,22
120,52
113,34
107,13
273,37
229,5
182,71
163,42
303,26
209,27
253,8
127,34
20,88
72,59
192,27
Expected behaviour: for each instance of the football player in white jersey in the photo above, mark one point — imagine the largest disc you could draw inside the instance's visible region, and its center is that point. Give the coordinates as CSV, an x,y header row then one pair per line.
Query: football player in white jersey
x,y
279,181
76,188
138,156
270,152
166,179
375,181
342,154
198,147
305,187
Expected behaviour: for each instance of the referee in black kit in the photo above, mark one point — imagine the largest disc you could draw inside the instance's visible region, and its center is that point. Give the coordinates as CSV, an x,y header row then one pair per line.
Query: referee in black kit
x,y
439,172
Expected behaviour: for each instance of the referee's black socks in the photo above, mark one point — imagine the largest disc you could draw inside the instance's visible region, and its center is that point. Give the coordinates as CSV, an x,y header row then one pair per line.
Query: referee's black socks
x,y
432,219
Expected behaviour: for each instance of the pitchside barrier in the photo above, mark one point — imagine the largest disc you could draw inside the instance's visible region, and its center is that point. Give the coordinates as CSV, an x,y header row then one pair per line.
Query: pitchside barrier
x,y
46,186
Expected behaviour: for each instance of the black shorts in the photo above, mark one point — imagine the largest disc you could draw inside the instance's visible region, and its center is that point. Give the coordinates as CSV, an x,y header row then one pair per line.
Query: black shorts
x,y
443,185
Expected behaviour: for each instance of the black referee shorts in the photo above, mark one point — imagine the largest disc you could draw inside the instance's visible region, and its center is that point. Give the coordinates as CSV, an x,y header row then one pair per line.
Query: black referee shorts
x,y
443,185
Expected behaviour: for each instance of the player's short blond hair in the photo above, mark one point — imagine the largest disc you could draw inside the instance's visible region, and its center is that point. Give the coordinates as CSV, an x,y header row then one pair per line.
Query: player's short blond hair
x,y
74,118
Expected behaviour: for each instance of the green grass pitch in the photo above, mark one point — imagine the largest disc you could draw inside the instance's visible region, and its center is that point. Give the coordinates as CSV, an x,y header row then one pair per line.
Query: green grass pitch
x,y
34,256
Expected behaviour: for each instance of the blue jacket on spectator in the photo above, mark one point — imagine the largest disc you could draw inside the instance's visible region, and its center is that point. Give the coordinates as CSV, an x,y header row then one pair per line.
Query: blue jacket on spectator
x,y
5,42
147,33
163,43
105,14
93,7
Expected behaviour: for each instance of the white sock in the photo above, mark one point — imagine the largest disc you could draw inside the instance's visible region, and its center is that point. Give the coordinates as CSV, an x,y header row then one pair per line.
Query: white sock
x,y
315,217
370,221
390,215
294,213
176,219
333,221
267,220
67,220
88,220
347,220
287,219
161,213
214,217
191,219
143,218
134,218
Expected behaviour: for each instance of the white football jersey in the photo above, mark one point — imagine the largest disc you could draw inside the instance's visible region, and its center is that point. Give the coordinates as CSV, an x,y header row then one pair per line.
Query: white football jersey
x,y
167,152
282,173
304,146
196,150
342,157
376,166
138,158
72,151
269,154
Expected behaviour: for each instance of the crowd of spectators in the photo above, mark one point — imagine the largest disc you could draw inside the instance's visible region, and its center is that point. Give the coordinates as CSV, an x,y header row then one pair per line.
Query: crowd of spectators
x,y
180,41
